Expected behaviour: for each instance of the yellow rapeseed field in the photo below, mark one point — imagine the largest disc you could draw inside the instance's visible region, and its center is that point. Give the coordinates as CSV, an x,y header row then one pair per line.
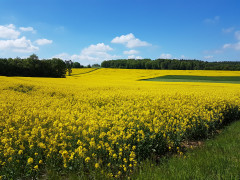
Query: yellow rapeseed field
x,y
105,120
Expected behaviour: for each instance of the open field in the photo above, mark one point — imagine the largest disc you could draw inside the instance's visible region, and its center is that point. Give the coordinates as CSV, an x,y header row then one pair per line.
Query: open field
x,y
105,122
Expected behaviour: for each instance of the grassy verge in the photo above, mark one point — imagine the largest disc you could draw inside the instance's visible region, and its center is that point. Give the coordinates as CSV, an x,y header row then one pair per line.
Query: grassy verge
x,y
218,158
181,78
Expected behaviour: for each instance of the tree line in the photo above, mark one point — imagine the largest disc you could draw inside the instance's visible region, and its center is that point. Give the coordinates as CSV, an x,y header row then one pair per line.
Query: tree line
x,y
173,64
32,67
55,67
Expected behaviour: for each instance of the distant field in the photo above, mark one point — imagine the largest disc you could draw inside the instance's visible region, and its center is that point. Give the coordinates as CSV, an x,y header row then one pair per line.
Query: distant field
x,y
189,78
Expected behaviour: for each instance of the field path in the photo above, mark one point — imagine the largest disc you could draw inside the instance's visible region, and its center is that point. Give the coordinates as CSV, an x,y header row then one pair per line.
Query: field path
x,y
84,71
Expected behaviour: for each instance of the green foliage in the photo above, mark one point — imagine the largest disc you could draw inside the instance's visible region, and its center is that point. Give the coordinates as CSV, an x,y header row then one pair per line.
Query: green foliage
x,y
69,65
22,88
77,65
96,65
32,67
170,64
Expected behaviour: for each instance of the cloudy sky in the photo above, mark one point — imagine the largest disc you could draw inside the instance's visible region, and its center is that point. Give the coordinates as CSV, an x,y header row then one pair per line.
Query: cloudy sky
x,y
90,31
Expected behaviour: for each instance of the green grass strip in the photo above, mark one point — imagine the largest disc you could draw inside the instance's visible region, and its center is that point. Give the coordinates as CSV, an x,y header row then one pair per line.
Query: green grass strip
x,y
218,158
188,78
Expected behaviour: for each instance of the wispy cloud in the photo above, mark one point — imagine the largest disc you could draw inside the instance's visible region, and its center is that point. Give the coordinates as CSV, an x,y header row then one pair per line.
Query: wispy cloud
x,y
165,56
216,51
214,20
60,29
134,57
132,51
234,46
27,29
43,41
208,57
237,35
226,46
228,30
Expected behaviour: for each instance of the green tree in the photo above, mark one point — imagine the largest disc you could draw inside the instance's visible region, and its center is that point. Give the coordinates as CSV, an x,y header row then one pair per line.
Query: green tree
x,y
96,65
33,57
77,65
69,65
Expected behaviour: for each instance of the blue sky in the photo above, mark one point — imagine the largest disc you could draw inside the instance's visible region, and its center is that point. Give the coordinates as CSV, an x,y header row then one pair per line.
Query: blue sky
x,y
90,31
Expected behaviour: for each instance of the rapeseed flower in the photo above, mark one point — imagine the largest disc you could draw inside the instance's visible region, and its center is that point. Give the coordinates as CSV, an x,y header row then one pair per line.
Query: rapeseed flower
x,y
105,117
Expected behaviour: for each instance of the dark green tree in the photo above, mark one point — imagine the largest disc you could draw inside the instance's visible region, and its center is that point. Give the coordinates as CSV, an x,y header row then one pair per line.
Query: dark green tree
x,y
69,65
77,65
33,57
32,67
96,65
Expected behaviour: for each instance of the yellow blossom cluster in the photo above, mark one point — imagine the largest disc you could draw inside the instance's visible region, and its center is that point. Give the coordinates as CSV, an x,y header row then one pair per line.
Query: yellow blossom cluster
x,y
105,120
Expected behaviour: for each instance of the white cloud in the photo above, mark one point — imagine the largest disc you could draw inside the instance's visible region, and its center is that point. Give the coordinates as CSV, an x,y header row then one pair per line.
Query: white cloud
x,y
29,29
43,41
130,41
216,51
235,46
208,57
98,48
237,35
60,29
228,30
12,41
226,46
123,39
134,57
139,57
165,56
21,45
212,20
63,56
92,54
132,51
9,32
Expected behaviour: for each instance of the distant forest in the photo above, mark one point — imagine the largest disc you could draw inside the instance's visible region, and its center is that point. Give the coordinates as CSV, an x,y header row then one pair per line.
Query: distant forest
x,y
171,64
33,67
